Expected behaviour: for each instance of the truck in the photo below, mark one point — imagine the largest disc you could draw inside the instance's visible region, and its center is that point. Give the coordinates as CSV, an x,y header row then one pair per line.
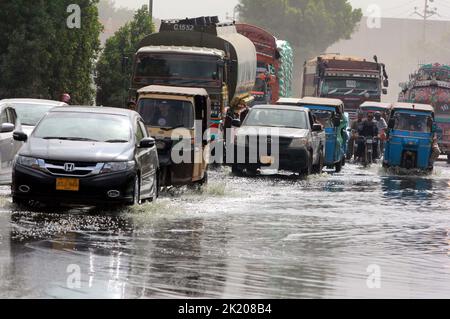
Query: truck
x,y
430,84
274,64
198,53
354,80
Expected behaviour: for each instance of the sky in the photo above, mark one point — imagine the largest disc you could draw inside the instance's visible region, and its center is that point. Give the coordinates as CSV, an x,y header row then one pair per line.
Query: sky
x,y
192,8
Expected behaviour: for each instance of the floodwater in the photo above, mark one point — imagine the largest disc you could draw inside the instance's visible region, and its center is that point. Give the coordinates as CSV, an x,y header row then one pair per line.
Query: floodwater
x,y
362,233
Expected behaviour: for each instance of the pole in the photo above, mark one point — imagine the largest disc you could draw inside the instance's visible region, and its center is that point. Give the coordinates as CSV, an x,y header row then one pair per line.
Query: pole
x,y
425,17
150,8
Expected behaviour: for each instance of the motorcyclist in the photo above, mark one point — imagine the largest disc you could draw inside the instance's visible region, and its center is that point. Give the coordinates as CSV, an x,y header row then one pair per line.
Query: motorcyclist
x,y
354,130
368,129
382,127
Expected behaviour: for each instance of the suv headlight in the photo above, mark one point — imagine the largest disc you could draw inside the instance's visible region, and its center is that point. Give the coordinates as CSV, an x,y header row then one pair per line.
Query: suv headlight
x,y
117,167
299,142
30,162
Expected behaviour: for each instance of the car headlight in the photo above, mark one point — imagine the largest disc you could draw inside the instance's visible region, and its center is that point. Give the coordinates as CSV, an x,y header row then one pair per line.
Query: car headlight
x,y
30,162
117,167
299,142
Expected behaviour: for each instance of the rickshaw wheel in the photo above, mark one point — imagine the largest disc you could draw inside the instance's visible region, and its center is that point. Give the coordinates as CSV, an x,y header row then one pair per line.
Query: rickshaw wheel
x,y
448,159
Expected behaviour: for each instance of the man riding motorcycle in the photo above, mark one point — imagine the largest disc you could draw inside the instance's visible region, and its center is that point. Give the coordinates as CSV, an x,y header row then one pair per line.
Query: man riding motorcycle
x,y
356,124
368,129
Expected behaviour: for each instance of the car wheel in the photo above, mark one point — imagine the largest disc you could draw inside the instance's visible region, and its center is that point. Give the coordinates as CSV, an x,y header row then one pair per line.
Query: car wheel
x,y
136,192
319,167
305,172
19,201
235,170
155,187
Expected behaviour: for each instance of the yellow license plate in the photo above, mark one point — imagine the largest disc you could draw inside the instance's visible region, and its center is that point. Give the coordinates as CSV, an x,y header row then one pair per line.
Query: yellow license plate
x,y
267,160
68,184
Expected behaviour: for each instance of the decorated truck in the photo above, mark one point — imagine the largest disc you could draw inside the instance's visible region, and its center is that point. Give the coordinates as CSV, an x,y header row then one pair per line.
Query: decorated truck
x,y
431,85
198,53
275,64
353,80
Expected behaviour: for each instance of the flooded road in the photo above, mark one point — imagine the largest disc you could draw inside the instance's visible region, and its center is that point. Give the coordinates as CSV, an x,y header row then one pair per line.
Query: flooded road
x,y
360,233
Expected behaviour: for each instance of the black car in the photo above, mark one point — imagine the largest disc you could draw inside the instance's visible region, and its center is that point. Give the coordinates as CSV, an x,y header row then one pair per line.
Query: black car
x,y
86,156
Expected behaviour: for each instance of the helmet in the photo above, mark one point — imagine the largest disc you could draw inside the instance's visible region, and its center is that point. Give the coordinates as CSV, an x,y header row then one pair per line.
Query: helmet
x,y
65,97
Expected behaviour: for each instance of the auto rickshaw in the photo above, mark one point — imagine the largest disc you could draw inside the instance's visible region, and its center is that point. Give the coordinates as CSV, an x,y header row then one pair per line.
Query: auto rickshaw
x,y
383,108
330,113
411,130
179,119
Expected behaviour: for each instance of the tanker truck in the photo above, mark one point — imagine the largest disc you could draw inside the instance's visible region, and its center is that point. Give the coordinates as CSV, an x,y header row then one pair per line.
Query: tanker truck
x,y
275,64
431,85
353,80
198,53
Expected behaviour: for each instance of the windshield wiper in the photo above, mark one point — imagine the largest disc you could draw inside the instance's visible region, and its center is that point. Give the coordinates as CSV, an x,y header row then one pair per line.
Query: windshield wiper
x,y
172,128
116,141
83,139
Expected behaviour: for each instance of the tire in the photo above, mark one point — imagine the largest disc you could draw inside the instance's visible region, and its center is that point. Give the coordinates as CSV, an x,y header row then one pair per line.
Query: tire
x,y
136,192
338,167
318,168
19,201
305,172
344,161
204,181
156,189
236,170
448,159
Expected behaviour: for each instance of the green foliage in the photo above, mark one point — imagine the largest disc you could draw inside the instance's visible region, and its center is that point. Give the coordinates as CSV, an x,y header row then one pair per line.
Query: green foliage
x,y
114,68
40,57
311,26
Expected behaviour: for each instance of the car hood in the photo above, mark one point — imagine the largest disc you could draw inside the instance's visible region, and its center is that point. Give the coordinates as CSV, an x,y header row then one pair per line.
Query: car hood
x,y
77,150
273,131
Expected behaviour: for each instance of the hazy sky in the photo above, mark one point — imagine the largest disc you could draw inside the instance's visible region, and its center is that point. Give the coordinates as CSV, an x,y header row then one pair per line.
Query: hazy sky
x,y
192,8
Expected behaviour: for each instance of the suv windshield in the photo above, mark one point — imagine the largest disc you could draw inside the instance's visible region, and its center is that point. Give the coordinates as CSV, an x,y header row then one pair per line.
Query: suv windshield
x,y
277,118
84,126
413,122
167,113
31,114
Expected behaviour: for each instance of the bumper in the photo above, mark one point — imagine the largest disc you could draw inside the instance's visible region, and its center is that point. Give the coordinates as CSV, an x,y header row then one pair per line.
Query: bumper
x,y
93,190
288,158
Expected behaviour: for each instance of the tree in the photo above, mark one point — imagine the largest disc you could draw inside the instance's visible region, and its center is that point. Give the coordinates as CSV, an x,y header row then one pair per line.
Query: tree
x,y
311,26
40,56
114,68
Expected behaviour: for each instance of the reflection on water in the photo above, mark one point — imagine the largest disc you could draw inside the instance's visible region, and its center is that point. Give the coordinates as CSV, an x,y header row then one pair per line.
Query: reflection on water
x,y
252,237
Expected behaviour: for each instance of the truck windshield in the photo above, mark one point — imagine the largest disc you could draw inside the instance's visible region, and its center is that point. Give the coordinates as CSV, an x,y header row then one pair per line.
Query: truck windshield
x,y
177,66
413,123
167,113
277,118
350,86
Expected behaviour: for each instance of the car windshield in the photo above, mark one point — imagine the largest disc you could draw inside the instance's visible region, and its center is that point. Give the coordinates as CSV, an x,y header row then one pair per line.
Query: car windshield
x,y
350,86
413,122
277,118
31,114
84,127
166,113
324,117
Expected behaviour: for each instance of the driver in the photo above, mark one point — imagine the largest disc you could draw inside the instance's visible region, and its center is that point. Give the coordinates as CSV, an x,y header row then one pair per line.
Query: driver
x,y
162,116
368,129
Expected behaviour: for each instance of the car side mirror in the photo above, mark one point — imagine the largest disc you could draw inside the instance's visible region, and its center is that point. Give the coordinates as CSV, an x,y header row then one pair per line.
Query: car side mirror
x,y
7,128
147,143
236,123
384,91
317,128
391,124
20,136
